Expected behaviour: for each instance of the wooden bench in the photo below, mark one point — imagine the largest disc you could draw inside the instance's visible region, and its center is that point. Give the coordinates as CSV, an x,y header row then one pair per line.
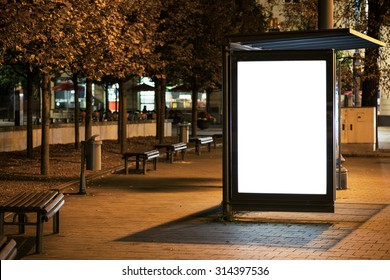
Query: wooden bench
x,y
144,156
172,149
202,141
8,250
45,205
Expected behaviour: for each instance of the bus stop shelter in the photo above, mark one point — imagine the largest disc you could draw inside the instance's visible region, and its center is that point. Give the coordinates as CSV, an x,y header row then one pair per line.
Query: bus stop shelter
x,y
281,119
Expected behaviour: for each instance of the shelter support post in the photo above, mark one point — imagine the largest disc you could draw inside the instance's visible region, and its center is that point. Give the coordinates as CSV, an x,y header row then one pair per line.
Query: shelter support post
x,y
227,210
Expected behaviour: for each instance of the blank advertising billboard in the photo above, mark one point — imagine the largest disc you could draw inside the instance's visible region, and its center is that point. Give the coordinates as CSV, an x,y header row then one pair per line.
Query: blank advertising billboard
x,y
283,130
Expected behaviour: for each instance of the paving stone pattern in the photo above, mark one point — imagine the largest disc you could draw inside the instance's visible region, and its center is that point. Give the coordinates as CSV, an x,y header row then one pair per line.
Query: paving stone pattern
x,y
174,213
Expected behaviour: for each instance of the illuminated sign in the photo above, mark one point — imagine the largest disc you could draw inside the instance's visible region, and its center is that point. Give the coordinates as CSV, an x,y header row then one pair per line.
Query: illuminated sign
x,y
282,132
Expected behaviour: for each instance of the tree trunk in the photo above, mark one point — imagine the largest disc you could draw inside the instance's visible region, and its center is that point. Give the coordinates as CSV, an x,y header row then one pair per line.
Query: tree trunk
x,y
76,113
29,89
208,95
376,17
107,102
370,86
117,111
88,110
45,138
162,110
194,120
122,117
161,85
157,106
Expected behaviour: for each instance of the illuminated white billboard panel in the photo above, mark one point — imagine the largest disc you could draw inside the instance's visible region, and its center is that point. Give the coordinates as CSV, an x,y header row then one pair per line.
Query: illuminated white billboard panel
x,y
281,127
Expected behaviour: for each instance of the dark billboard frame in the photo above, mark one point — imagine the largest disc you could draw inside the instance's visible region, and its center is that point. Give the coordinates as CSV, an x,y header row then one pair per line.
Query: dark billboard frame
x,y
238,201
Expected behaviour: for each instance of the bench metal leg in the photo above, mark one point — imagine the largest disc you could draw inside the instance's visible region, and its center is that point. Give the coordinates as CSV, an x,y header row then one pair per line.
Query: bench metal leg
x,y
137,162
22,219
144,165
183,152
155,163
56,222
39,235
126,166
209,144
169,154
197,147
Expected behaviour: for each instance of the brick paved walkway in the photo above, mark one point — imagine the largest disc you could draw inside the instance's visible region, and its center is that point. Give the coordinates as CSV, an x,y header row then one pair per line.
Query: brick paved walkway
x,y
174,213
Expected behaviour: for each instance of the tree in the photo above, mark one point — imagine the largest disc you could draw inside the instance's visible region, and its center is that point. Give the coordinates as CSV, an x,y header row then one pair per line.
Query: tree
x,y
114,38
378,16
353,13
27,75
300,15
9,18
136,44
9,79
91,38
31,34
202,66
175,29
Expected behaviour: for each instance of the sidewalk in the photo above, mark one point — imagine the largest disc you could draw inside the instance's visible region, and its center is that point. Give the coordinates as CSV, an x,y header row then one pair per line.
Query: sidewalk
x,y
174,213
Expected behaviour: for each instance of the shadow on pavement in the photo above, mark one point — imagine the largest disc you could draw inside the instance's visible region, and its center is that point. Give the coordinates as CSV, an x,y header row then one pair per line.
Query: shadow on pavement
x,y
207,227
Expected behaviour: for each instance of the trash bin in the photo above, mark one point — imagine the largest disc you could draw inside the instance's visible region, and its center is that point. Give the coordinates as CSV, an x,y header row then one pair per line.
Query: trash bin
x,y
341,174
342,178
93,153
184,132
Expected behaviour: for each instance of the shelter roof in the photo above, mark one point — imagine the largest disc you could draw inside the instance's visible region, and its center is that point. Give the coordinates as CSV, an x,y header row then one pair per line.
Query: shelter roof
x,y
337,39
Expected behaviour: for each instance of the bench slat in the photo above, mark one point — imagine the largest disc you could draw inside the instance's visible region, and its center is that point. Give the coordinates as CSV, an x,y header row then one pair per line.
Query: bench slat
x,y
54,202
24,200
45,199
15,199
152,156
30,201
8,251
13,254
44,204
205,140
54,210
38,201
152,153
179,146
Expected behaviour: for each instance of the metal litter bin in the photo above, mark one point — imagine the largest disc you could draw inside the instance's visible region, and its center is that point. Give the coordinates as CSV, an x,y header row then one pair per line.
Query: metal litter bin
x,y
342,178
184,132
341,174
93,153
